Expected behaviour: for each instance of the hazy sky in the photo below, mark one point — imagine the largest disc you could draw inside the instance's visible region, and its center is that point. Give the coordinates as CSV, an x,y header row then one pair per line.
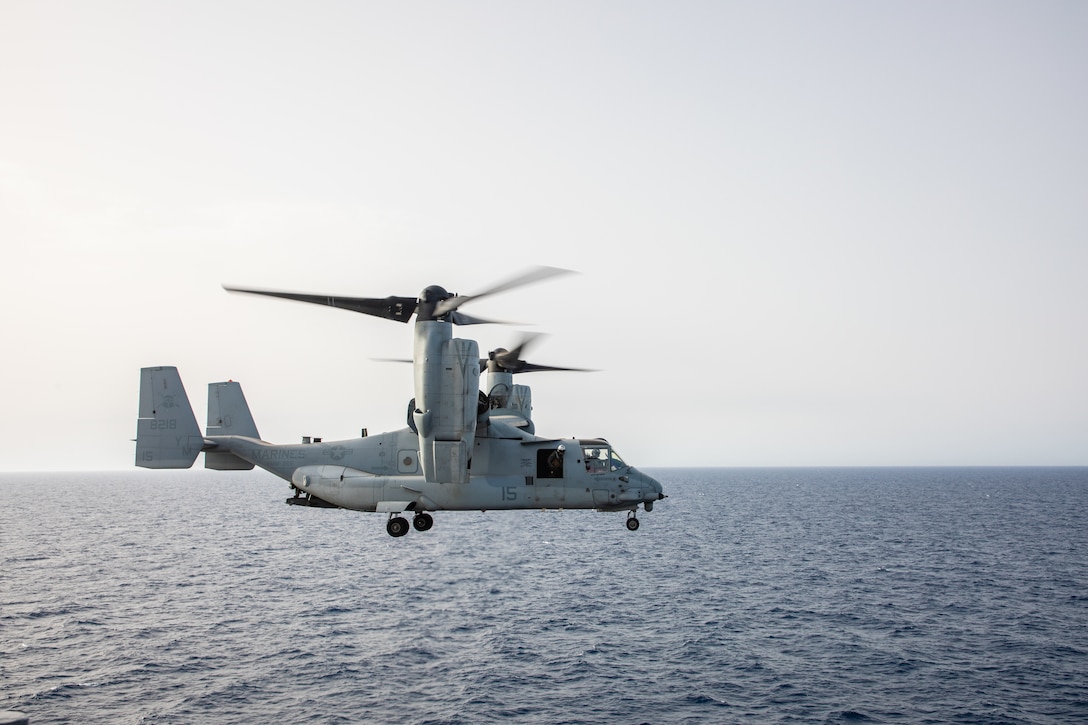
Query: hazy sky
x,y
811,233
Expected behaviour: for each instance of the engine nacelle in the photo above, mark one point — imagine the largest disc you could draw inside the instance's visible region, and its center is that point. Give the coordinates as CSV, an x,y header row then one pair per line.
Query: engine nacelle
x,y
512,404
447,378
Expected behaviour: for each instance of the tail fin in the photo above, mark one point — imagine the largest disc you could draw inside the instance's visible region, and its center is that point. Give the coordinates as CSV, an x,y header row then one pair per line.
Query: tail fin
x,y
228,415
167,435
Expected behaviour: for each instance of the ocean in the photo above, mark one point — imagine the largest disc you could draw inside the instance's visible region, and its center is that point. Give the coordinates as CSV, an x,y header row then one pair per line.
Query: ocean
x,y
854,595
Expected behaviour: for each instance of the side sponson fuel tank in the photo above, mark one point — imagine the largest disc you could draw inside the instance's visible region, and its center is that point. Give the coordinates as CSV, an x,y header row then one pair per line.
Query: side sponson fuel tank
x,y
346,487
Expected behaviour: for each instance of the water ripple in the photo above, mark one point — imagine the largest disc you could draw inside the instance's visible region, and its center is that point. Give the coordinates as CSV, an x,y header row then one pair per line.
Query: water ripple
x,y
823,595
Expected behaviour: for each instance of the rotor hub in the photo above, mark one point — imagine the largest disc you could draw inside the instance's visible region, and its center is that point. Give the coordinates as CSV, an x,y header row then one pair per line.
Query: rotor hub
x,y
434,293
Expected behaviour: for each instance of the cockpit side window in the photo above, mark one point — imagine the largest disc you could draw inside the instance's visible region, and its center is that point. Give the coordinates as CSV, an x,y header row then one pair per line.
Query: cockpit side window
x,y
596,458
617,462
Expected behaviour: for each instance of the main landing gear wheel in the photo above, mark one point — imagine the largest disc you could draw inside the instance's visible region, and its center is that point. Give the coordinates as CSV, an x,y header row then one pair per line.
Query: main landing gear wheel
x,y
423,521
632,524
397,526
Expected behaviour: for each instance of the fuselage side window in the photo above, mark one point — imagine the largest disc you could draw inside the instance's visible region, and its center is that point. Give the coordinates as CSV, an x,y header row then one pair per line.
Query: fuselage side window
x,y
549,462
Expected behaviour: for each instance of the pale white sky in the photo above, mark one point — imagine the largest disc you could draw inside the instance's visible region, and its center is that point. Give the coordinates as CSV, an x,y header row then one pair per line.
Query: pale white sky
x,y
839,233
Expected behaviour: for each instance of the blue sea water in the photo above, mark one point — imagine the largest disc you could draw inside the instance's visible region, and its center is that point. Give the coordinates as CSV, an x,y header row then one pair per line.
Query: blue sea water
x,y
749,595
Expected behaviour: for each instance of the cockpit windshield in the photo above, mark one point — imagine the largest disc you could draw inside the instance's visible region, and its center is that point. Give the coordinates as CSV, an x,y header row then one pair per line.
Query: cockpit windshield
x,y
601,459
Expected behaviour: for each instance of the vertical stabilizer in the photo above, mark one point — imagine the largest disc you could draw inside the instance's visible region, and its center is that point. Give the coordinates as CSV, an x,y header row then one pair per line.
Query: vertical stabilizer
x,y
228,415
167,434
228,411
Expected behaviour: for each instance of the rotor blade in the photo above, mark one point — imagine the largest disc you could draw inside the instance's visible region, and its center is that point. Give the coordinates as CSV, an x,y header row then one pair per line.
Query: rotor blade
x,y
536,274
460,318
391,308
511,362
533,368
528,339
511,359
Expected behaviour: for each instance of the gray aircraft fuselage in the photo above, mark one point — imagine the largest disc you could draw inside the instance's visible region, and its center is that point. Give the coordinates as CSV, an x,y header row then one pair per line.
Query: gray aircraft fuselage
x,y
382,473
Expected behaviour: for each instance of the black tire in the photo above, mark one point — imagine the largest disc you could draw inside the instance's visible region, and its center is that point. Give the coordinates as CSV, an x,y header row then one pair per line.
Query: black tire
x,y
423,521
632,524
397,526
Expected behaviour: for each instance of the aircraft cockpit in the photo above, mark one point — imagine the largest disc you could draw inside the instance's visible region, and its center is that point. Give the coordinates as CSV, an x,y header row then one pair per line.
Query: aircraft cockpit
x,y
600,458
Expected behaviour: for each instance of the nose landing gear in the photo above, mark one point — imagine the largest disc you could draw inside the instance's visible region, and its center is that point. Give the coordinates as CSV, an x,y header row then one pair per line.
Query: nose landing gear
x,y
632,522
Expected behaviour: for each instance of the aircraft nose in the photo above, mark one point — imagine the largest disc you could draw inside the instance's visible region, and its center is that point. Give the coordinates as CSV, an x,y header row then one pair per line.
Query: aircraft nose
x,y
653,490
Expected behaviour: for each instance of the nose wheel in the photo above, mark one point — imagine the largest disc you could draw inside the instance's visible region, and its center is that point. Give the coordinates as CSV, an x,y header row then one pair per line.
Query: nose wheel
x,y
632,522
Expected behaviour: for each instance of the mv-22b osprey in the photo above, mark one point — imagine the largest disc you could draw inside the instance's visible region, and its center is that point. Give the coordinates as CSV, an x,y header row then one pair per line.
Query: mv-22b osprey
x,y
463,449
